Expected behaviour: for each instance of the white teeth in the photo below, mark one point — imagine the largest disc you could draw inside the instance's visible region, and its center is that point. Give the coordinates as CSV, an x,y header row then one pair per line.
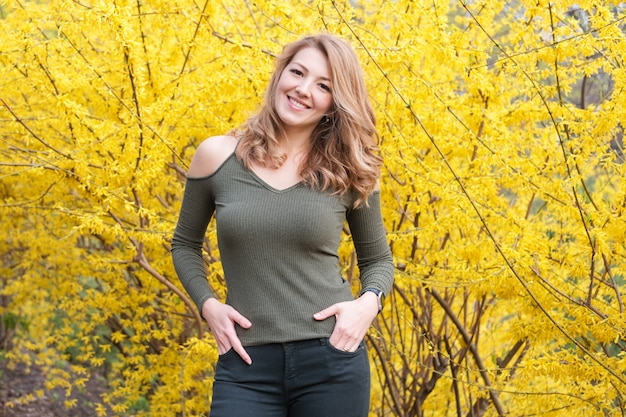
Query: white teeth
x,y
297,104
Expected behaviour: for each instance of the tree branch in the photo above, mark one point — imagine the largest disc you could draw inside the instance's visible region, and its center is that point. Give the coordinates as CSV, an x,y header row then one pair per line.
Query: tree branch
x,y
472,347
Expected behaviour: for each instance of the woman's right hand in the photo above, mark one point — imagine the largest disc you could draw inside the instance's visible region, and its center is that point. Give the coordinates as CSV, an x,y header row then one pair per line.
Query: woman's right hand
x,y
222,319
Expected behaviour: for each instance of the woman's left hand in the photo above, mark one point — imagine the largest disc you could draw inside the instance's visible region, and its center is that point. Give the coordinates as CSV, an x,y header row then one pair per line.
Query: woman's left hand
x,y
353,320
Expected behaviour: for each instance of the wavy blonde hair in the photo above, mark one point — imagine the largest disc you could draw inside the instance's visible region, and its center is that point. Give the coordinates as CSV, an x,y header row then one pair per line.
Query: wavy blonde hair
x,y
344,154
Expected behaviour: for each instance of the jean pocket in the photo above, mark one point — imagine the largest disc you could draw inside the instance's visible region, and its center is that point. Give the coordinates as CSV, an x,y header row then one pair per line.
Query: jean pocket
x,y
226,354
343,352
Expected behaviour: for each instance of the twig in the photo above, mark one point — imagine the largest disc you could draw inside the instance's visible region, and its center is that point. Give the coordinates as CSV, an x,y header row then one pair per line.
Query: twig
x,y
32,133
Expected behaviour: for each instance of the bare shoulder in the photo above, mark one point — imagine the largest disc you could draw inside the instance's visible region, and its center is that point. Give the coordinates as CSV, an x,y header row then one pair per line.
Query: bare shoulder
x,y
210,155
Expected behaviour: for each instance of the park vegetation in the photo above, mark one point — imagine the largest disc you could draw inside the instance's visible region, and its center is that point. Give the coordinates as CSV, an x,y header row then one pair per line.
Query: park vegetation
x,y
503,194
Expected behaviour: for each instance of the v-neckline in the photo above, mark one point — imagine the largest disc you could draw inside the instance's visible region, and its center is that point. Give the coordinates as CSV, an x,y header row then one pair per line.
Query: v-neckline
x,y
270,187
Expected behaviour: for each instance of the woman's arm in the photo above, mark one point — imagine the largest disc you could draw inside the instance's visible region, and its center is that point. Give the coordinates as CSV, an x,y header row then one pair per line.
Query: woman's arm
x,y
196,211
353,318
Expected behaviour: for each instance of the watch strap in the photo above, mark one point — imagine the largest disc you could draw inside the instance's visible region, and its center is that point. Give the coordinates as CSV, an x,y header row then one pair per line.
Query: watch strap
x,y
378,293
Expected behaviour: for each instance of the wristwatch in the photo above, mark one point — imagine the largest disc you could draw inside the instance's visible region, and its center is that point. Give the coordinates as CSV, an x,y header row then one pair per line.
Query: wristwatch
x,y
378,293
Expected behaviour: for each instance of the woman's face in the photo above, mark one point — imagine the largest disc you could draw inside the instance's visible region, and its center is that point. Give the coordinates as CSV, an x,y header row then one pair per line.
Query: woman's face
x,y
303,92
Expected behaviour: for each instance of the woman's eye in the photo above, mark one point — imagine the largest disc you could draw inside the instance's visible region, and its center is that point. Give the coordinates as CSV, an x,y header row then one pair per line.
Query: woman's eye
x,y
296,71
325,87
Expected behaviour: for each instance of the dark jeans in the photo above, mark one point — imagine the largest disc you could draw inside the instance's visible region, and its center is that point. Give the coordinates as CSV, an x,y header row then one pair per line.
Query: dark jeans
x,y
310,378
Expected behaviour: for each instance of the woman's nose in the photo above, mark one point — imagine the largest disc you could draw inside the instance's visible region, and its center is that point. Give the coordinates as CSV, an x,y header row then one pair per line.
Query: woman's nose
x,y
303,89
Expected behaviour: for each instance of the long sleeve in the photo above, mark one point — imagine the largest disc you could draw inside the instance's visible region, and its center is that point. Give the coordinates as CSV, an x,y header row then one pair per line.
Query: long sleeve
x,y
370,241
196,210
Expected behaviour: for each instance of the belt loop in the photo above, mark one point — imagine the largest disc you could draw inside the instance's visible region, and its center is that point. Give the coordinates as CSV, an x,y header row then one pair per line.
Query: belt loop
x,y
323,341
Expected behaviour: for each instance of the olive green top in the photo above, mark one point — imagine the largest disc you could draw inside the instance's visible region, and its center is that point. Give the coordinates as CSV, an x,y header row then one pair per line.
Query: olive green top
x,y
278,250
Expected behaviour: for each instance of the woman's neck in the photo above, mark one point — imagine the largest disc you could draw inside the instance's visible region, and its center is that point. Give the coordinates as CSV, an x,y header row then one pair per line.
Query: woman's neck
x,y
295,145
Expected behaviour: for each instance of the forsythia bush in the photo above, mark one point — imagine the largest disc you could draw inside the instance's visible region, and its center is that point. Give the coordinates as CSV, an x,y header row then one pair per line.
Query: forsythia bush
x,y
503,193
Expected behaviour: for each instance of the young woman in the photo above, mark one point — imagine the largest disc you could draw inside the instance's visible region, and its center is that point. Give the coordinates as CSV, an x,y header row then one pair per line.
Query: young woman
x,y
290,333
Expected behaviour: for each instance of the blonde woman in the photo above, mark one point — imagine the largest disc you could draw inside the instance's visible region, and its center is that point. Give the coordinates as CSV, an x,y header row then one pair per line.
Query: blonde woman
x,y
291,334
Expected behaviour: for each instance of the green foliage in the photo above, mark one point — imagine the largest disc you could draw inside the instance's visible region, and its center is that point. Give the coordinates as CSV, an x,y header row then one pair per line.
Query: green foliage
x,y
503,193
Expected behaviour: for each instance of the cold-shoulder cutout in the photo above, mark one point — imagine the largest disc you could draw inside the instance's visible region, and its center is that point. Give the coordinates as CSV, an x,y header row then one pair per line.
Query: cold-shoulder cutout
x,y
210,155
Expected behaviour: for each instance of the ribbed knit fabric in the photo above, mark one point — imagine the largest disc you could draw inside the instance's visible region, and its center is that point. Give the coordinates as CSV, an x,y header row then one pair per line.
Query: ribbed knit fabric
x,y
278,250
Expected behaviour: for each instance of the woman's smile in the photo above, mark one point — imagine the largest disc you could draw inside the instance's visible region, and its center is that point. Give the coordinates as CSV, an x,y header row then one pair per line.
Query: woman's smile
x,y
297,103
